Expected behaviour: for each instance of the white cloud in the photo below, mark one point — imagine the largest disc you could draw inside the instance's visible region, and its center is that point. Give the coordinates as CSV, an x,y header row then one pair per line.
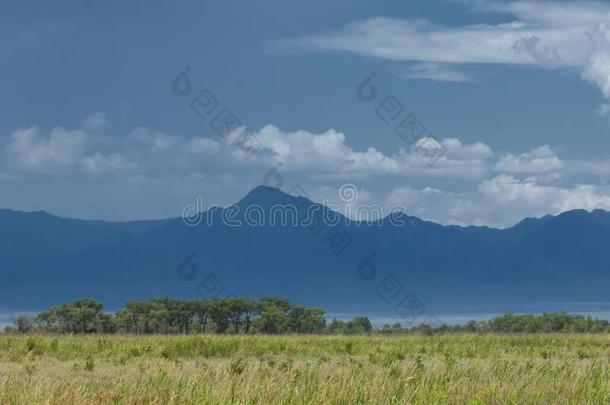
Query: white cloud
x,y
560,13
458,151
328,154
543,54
148,153
98,163
597,70
521,198
95,121
541,159
28,150
466,183
543,34
500,202
436,72
519,42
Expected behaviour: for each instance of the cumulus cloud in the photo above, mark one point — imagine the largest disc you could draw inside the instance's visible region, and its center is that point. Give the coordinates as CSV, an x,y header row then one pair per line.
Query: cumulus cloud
x,y
329,153
501,201
458,151
98,163
466,183
29,150
597,70
541,159
527,197
152,153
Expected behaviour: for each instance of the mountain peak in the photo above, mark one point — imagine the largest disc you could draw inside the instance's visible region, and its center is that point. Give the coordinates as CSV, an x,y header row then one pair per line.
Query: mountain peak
x,y
266,196
263,195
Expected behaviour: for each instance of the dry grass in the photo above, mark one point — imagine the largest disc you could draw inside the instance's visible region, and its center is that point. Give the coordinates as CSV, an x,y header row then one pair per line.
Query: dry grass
x,y
490,369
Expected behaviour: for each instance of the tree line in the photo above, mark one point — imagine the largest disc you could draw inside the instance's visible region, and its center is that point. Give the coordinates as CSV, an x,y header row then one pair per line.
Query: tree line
x,y
559,322
269,315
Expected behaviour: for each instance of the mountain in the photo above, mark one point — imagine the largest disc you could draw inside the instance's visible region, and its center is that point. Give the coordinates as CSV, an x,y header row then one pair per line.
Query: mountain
x,y
45,259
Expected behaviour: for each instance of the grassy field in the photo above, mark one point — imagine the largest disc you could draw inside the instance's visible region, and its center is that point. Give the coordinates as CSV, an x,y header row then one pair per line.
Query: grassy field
x,y
208,369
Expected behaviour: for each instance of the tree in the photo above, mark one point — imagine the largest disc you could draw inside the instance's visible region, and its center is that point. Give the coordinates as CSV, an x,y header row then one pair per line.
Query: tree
x,y
272,312
45,320
134,310
240,311
220,314
314,321
202,312
296,318
104,323
359,324
337,326
250,309
124,321
279,302
23,324
85,312
159,315
63,314
185,311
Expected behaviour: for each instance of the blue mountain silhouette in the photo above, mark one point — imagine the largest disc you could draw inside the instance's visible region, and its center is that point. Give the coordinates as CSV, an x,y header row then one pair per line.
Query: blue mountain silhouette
x,y
45,259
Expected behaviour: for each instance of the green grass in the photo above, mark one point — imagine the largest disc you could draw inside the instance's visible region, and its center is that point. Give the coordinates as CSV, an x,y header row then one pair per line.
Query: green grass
x,y
211,369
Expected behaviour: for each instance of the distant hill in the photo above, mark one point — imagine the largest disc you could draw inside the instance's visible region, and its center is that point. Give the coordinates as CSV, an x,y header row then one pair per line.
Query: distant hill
x,y
46,260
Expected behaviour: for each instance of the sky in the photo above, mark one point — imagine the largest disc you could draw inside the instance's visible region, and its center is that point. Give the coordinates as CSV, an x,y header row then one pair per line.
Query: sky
x,y
511,101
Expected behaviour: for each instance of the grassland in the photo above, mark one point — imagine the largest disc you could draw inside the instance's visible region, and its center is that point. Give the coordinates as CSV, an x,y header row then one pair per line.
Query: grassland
x,y
211,369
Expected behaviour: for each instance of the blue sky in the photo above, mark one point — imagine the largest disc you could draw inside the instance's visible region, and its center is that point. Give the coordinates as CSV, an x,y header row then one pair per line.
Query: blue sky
x,y
514,95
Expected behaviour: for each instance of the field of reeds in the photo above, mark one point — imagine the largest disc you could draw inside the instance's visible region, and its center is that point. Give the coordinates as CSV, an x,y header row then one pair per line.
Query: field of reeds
x,y
212,369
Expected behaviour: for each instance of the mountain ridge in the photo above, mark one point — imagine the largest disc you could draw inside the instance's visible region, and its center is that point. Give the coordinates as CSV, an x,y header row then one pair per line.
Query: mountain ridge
x,y
445,264
258,191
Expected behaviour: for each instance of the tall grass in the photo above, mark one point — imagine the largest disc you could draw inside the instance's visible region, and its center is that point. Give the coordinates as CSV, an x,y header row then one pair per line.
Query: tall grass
x,y
212,369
